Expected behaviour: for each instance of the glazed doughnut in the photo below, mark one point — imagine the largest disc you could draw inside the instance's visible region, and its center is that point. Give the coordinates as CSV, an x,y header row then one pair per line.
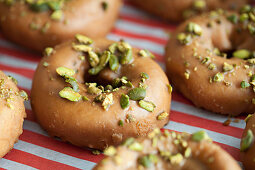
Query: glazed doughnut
x,y
178,10
168,150
79,97
210,60
45,23
12,113
247,144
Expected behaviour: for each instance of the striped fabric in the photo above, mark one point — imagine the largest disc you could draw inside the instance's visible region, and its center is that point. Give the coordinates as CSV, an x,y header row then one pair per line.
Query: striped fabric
x,y
36,150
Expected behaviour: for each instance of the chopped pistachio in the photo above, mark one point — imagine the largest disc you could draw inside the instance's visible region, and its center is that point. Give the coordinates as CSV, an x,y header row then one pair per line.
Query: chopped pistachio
x,y
146,53
199,136
184,39
124,101
95,70
104,5
247,141
96,152
39,7
127,57
121,123
128,141
233,18
194,28
145,75
69,94
82,48
114,62
242,54
23,94
218,77
206,60
251,61
92,89
199,4
137,93
247,118
162,116
149,106
57,15
187,152
245,84
176,159
83,39
48,51
170,88
110,151
82,57
113,48
212,66
84,98
146,161
93,59
109,87
187,74
65,72
45,27
227,67
108,100
136,146
45,64
34,26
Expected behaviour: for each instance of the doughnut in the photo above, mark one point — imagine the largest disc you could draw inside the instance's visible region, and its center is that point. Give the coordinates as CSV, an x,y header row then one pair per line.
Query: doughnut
x,y
12,113
96,93
178,10
45,23
247,146
168,150
210,60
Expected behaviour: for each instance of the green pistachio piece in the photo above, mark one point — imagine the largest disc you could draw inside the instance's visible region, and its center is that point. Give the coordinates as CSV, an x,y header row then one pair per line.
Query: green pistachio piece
x,y
247,118
233,18
199,4
104,59
146,53
109,87
128,141
92,89
48,51
145,161
114,62
218,77
251,61
247,141
23,94
39,7
121,123
95,70
127,57
184,39
113,47
149,106
93,59
187,152
124,46
162,116
244,17
110,151
242,54
170,88
245,9
108,100
227,67
83,39
136,146
137,93
124,101
194,28
54,5
57,15
245,84
82,48
69,94
176,159
199,136
145,75
84,98
73,83
104,5
46,64
65,72
251,28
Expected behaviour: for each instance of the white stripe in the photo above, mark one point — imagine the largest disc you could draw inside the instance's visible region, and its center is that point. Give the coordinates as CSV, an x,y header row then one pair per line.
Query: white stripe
x,y
16,62
53,155
8,164
141,29
217,137
143,44
191,110
22,81
34,127
28,105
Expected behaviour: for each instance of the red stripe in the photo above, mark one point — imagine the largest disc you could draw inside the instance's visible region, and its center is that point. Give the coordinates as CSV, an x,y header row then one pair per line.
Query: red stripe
x,y
35,161
59,146
23,71
205,124
30,115
180,98
19,54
